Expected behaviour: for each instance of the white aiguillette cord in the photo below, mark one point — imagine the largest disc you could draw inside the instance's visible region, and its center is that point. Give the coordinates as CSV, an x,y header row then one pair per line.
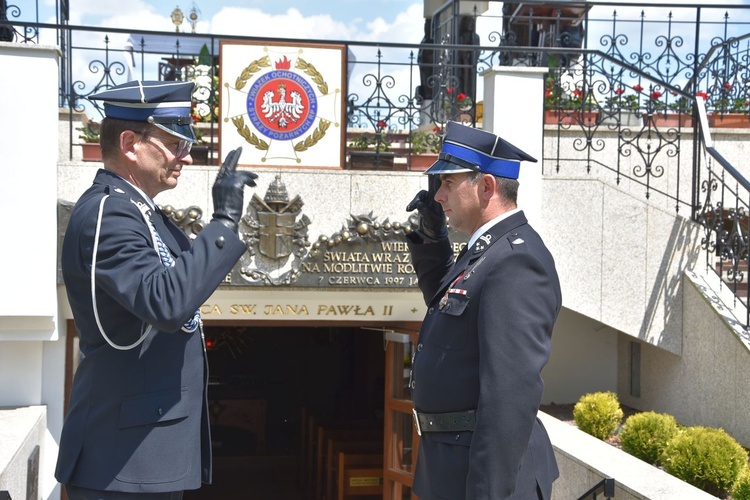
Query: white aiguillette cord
x,y
144,212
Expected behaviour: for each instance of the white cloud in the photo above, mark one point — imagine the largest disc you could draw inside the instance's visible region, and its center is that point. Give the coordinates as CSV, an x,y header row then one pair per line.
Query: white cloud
x,y
291,24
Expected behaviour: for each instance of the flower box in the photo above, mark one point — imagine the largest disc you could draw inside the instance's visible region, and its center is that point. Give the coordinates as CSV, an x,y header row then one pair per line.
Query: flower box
x,y
91,151
668,120
199,155
729,120
571,117
371,160
422,162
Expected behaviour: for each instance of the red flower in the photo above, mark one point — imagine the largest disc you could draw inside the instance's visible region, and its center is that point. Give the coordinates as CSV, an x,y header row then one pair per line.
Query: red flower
x,y
437,130
704,95
727,85
637,88
449,90
578,93
382,124
548,93
460,97
619,90
655,94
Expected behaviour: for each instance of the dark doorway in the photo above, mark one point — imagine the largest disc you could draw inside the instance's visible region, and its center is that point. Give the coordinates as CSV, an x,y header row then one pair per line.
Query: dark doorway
x,y
264,381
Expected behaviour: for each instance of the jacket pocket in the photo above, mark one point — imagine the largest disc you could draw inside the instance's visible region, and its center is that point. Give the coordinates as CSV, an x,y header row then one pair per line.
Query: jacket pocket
x,y
450,330
455,305
458,438
152,408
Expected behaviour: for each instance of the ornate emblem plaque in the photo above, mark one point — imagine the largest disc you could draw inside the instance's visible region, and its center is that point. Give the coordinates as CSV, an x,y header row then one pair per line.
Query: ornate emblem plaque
x,y
283,103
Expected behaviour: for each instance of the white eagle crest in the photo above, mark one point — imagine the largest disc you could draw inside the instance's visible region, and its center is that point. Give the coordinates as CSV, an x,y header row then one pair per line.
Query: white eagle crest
x,y
282,110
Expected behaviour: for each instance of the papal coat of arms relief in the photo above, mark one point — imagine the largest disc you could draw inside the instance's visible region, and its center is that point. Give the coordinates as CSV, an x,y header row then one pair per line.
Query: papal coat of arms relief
x,y
275,231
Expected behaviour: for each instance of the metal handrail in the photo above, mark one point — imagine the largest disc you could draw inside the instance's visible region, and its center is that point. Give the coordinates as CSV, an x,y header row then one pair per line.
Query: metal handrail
x,y
606,487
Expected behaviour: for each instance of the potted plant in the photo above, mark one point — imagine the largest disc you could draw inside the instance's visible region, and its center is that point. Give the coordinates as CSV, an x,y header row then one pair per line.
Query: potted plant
x,y
425,146
200,148
370,151
90,136
659,113
621,108
729,112
567,106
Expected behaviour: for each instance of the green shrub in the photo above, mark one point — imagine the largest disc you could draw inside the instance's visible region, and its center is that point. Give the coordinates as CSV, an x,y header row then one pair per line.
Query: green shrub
x,y
709,459
741,488
598,414
645,435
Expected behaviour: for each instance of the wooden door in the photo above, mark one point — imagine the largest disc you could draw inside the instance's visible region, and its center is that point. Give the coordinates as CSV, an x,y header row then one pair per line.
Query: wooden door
x,y
400,438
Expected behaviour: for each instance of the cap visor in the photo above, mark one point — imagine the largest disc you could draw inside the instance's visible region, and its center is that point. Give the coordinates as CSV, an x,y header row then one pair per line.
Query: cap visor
x,y
446,167
182,131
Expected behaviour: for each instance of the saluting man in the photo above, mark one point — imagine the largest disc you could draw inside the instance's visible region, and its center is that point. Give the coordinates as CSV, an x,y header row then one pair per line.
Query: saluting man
x,y
137,424
476,375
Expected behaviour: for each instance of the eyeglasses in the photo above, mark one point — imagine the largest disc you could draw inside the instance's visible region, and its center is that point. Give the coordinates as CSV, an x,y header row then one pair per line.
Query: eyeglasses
x,y
182,148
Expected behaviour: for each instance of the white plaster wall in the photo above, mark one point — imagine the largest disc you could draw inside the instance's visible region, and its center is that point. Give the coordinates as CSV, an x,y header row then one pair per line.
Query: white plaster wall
x,y
20,373
28,184
708,384
519,121
619,257
583,359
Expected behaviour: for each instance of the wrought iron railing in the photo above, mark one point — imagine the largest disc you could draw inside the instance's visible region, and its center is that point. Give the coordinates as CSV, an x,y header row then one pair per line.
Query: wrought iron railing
x,y
723,214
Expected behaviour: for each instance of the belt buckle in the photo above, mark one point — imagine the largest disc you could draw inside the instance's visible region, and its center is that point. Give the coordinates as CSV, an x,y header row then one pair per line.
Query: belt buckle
x,y
416,421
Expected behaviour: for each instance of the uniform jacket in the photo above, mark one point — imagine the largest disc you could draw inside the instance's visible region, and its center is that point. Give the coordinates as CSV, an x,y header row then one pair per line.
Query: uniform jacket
x,y
137,419
484,350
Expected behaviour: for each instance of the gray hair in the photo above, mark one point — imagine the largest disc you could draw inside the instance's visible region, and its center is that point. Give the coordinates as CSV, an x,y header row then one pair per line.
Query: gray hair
x,y
508,187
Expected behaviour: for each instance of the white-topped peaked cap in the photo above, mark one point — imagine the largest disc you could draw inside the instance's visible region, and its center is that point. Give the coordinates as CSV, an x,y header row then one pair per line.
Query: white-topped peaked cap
x,y
468,149
165,104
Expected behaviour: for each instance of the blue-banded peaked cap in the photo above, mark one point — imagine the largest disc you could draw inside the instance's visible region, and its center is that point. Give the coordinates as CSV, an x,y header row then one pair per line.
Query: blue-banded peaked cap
x,y
165,104
468,149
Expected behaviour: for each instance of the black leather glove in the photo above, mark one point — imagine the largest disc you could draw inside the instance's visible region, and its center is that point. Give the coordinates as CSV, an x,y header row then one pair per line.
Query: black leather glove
x,y
432,223
228,191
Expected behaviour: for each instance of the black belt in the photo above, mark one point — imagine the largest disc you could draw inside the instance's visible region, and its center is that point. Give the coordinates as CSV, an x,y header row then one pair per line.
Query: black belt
x,y
444,422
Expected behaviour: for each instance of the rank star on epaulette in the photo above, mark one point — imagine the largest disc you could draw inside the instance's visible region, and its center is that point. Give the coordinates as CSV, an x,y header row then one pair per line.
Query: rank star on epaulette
x,y
482,243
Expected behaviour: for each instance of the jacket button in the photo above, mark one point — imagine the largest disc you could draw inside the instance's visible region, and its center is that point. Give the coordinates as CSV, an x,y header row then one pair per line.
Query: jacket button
x,y
413,384
220,242
429,311
419,347
160,411
458,436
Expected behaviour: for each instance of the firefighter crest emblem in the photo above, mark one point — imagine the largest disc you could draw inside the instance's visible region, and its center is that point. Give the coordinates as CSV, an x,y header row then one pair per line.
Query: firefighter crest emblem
x,y
274,231
282,105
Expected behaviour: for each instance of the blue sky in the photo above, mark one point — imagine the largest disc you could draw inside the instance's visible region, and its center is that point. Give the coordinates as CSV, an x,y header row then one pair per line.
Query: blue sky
x,y
370,20
354,20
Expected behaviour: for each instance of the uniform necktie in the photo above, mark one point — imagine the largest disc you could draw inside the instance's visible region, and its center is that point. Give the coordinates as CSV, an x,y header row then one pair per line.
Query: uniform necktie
x,y
166,258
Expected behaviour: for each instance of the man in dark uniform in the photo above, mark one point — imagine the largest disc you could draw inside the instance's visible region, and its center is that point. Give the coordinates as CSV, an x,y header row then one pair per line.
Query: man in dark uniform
x,y
137,424
476,380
